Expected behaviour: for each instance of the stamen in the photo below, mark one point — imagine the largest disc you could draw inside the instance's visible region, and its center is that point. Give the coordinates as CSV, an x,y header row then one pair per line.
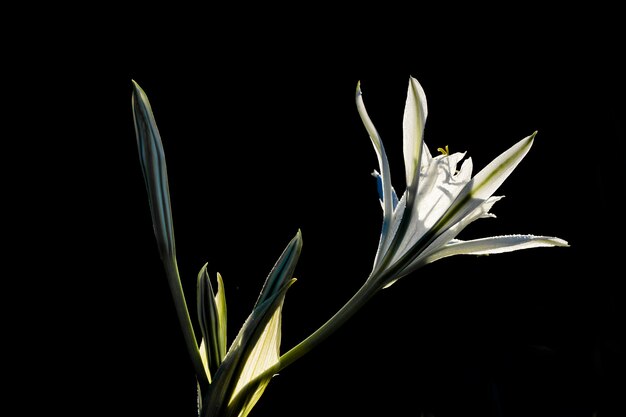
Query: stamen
x,y
444,151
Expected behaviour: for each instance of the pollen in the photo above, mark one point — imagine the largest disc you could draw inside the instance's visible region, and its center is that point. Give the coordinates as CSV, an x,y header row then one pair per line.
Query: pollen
x,y
444,151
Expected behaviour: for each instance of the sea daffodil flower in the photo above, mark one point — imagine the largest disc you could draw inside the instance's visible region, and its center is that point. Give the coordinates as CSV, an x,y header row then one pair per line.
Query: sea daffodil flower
x,y
440,199
422,225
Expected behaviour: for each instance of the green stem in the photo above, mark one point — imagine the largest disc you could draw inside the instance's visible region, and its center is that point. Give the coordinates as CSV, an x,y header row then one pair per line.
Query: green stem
x,y
173,279
353,305
349,309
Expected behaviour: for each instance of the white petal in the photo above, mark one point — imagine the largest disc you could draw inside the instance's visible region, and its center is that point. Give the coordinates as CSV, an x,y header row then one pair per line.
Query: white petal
x,y
465,173
438,188
380,151
495,244
485,183
481,211
415,113
426,158
396,220
385,176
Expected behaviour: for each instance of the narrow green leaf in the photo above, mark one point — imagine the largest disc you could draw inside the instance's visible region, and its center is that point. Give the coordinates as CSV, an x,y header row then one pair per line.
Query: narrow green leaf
x,y
209,316
255,350
263,357
220,304
282,270
152,160
223,388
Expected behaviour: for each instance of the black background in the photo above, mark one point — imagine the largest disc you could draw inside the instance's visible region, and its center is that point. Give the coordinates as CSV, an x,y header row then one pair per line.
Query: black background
x,y
262,138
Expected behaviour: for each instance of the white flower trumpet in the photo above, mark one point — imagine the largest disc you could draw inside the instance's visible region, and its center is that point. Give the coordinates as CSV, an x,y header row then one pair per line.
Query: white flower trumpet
x,y
439,201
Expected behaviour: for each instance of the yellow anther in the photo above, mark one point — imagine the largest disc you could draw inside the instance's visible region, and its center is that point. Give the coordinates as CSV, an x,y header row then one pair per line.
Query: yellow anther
x,y
444,151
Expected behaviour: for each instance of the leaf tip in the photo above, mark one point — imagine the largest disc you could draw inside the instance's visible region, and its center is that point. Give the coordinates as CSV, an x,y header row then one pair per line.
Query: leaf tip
x,y
136,88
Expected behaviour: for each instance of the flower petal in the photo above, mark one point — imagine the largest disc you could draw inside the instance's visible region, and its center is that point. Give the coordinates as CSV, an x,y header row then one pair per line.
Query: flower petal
x,y
415,113
385,175
394,226
494,244
481,211
474,194
484,184
439,186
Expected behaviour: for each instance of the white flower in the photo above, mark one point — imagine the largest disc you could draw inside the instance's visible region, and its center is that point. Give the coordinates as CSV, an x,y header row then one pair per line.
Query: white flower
x,y
440,199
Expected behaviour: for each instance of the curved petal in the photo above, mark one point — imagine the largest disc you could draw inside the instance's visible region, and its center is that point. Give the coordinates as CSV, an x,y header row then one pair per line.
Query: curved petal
x,y
484,184
494,244
441,187
385,175
379,187
394,225
379,148
481,211
415,113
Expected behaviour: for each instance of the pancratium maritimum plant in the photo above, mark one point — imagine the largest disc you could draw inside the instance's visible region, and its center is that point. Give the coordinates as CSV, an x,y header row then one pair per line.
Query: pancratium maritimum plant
x,y
418,228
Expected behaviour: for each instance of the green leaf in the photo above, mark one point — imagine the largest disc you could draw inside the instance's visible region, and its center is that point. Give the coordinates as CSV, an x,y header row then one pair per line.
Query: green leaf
x,y
212,319
220,305
152,160
255,351
243,355
282,270
263,357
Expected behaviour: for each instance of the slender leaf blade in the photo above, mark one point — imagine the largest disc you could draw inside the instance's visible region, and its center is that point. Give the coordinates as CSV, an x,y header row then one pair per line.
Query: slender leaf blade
x,y
152,160
282,270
